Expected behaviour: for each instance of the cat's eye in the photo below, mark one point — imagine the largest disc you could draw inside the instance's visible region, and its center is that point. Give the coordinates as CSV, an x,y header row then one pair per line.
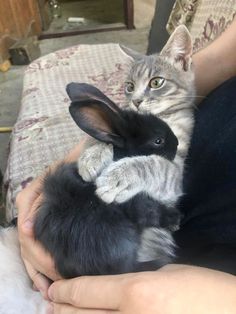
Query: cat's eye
x,y
156,82
129,87
159,141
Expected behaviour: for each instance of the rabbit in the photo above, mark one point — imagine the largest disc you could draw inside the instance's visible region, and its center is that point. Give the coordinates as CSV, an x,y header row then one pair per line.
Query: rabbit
x,y
87,236
94,239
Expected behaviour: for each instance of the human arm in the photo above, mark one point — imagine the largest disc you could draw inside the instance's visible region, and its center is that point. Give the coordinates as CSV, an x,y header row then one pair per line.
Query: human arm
x,y
174,289
216,63
36,260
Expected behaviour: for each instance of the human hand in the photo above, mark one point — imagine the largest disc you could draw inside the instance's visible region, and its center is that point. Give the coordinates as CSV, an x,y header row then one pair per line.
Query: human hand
x,y
38,263
174,289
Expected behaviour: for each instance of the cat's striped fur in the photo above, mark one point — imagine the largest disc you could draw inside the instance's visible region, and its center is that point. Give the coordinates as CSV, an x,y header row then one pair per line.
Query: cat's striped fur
x,y
172,102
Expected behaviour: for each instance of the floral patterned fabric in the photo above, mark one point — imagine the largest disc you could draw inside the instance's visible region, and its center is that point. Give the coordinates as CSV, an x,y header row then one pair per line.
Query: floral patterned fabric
x,y
44,131
182,13
205,19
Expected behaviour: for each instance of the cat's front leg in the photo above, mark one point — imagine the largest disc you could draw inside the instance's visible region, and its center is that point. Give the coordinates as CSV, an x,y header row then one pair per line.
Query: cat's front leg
x,y
119,181
156,176
94,159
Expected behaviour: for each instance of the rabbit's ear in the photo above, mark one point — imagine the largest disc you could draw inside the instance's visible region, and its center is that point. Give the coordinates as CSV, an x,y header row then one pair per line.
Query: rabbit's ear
x,y
98,120
83,92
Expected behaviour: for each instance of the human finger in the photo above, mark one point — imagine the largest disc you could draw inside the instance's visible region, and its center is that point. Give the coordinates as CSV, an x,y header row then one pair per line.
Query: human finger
x,y
40,282
26,226
68,309
26,198
34,254
86,292
77,150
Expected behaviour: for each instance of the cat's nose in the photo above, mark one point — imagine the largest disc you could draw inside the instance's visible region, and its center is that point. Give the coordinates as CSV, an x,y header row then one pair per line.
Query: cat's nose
x,y
137,102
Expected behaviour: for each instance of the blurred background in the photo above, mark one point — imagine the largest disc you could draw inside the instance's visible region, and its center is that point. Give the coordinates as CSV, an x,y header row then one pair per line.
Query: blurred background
x,y
33,28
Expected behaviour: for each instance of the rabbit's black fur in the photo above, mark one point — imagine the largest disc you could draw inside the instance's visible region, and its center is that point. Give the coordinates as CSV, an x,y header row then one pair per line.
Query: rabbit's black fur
x,y
84,235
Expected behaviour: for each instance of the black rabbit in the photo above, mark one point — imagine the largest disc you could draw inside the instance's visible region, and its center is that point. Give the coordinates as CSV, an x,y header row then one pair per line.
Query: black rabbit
x,y
86,236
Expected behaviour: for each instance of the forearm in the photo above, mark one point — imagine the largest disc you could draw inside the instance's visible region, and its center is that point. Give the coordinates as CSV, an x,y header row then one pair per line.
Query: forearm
x,y
206,291
72,156
76,151
174,289
216,63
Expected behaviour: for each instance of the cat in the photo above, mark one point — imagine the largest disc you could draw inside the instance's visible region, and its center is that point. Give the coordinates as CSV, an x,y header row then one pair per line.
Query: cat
x,y
162,84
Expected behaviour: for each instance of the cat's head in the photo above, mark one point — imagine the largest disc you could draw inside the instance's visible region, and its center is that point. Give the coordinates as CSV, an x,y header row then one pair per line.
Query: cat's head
x,y
163,81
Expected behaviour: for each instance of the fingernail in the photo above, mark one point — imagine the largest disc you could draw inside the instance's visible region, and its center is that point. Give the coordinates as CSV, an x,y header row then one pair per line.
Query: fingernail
x,y
50,293
35,288
28,224
44,294
49,309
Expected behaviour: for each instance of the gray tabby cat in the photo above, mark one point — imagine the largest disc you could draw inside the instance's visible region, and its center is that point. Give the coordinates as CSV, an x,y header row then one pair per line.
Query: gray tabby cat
x,y
162,84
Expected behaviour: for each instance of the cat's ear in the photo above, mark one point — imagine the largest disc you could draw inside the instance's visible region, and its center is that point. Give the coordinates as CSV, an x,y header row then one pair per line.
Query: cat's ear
x,y
179,47
98,120
134,55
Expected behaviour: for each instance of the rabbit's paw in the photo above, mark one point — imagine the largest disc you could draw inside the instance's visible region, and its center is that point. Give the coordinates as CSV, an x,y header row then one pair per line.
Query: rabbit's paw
x,y
119,182
94,160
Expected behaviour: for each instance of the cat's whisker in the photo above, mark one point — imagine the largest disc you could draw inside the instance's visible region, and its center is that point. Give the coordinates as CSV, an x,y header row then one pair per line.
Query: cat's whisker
x,y
177,97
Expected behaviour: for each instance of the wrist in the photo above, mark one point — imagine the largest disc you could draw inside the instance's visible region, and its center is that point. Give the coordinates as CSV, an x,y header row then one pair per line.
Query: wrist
x,y
210,291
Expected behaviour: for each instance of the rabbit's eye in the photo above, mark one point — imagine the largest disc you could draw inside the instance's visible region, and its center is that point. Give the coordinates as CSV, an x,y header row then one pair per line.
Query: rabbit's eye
x,y
156,82
159,141
129,87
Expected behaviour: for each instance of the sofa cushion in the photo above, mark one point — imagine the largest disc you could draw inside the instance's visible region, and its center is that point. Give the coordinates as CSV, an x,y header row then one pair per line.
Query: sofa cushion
x,y
205,19
44,131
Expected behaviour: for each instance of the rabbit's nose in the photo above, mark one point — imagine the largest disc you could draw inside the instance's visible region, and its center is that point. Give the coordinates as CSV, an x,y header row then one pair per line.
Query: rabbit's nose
x,y
137,102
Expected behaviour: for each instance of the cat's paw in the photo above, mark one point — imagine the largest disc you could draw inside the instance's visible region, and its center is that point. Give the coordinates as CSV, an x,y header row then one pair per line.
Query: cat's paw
x,y
170,219
94,160
118,182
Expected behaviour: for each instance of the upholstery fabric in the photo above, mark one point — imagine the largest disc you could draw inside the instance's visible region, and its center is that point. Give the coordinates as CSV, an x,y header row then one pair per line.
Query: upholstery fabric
x,y
44,131
205,19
